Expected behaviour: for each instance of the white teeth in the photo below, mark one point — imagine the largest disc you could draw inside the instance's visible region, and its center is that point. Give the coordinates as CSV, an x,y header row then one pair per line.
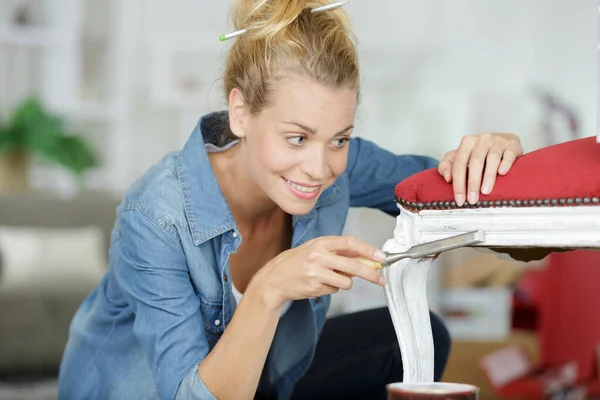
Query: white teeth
x,y
302,188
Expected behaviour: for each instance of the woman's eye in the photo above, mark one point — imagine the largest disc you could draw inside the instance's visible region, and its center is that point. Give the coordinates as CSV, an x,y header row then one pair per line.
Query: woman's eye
x,y
340,142
296,140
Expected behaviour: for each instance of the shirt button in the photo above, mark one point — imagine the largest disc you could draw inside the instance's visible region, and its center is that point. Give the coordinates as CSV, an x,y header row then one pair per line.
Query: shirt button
x,y
217,322
234,234
225,278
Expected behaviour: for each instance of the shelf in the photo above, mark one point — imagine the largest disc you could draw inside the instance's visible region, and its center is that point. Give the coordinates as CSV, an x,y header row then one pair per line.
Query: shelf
x,y
96,111
38,37
90,111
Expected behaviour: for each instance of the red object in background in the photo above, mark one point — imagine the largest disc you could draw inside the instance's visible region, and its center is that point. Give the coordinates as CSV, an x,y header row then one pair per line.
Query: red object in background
x,y
527,299
524,315
569,324
570,311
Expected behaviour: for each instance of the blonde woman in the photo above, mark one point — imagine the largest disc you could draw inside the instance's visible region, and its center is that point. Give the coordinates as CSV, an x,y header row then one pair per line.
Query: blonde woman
x,y
224,255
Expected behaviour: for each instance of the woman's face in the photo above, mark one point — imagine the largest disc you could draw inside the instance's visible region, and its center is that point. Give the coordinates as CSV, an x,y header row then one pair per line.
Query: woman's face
x,y
297,146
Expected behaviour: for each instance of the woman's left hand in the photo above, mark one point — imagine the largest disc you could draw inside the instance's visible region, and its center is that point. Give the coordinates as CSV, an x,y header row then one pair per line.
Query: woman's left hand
x,y
474,165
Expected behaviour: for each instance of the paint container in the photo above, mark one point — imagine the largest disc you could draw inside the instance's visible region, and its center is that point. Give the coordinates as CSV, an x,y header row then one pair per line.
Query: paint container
x,y
432,391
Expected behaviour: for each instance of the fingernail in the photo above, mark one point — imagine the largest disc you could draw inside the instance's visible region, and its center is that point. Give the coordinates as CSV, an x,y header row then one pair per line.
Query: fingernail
x,y
447,175
460,199
486,188
380,255
472,197
382,280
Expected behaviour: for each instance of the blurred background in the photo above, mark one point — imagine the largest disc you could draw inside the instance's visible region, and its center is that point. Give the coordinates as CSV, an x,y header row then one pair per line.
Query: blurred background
x,y
93,92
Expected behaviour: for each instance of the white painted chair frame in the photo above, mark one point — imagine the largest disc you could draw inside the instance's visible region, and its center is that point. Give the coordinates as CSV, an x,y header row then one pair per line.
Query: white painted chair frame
x,y
572,227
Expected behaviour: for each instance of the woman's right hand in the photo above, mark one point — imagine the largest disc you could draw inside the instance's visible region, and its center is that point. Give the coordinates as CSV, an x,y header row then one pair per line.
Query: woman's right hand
x,y
318,267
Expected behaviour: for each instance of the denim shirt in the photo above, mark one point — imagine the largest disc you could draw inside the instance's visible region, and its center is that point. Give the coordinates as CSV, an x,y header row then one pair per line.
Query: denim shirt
x,y
166,298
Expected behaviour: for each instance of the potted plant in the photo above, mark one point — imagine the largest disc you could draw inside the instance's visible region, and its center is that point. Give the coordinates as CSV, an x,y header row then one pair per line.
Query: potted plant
x,y
32,131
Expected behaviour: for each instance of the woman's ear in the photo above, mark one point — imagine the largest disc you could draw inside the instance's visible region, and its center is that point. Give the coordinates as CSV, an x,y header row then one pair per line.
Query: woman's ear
x,y
237,113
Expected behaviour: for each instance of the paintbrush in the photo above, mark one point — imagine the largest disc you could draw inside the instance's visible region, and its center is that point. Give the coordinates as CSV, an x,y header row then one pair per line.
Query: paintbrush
x,y
428,249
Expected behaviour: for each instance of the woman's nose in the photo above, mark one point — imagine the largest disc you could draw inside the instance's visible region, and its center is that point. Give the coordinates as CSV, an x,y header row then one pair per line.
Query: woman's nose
x,y
317,167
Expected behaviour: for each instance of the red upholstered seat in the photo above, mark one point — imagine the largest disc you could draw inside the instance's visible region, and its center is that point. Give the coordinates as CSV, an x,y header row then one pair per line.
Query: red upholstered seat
x,y
565,174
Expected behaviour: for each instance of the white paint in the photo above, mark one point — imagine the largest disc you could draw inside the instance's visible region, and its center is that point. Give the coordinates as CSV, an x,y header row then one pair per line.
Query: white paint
x,y
406,295
567,227
576,226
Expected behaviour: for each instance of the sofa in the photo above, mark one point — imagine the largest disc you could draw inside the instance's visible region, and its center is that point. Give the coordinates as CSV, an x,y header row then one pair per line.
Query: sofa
x,y
53,252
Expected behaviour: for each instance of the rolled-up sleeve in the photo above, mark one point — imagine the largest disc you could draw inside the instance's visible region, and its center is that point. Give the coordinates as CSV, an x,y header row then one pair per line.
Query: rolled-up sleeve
x,y
192,388
374,173
153,276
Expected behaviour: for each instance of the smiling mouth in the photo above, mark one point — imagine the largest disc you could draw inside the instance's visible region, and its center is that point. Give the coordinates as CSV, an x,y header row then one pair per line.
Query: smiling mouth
x,y
303,188
303,192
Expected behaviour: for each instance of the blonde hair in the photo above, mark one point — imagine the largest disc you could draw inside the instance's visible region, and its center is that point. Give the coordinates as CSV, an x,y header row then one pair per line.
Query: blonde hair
x,y
283,37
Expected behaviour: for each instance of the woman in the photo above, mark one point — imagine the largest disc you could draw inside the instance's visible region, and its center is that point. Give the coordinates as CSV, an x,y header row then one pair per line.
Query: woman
x,y
223,255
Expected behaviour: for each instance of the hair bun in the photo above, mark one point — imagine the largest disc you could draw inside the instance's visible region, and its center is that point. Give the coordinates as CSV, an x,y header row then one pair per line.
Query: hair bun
x,y
265,19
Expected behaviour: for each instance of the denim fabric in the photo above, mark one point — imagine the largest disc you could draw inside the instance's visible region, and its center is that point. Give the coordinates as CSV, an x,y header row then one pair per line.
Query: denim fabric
x,y
165,299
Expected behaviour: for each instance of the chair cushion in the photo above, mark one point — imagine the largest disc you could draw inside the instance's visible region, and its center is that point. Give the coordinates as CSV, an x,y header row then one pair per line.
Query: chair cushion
x,y
564,174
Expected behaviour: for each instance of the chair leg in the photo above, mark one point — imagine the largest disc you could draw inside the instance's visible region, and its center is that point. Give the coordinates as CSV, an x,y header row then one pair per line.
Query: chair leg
x,y
406,294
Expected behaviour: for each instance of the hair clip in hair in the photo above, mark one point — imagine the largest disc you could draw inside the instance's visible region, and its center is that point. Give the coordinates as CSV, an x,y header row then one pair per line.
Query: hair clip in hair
x,y
326,7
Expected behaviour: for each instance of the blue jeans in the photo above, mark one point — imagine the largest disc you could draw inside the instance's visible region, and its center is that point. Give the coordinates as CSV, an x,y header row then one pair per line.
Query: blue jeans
x,y
358,354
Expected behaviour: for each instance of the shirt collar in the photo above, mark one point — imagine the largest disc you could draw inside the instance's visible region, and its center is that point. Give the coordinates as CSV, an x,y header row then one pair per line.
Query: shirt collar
x,y
206,209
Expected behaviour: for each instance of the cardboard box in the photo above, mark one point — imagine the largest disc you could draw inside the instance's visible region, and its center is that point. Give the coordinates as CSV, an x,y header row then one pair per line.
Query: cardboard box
x,y
467,267
465,357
